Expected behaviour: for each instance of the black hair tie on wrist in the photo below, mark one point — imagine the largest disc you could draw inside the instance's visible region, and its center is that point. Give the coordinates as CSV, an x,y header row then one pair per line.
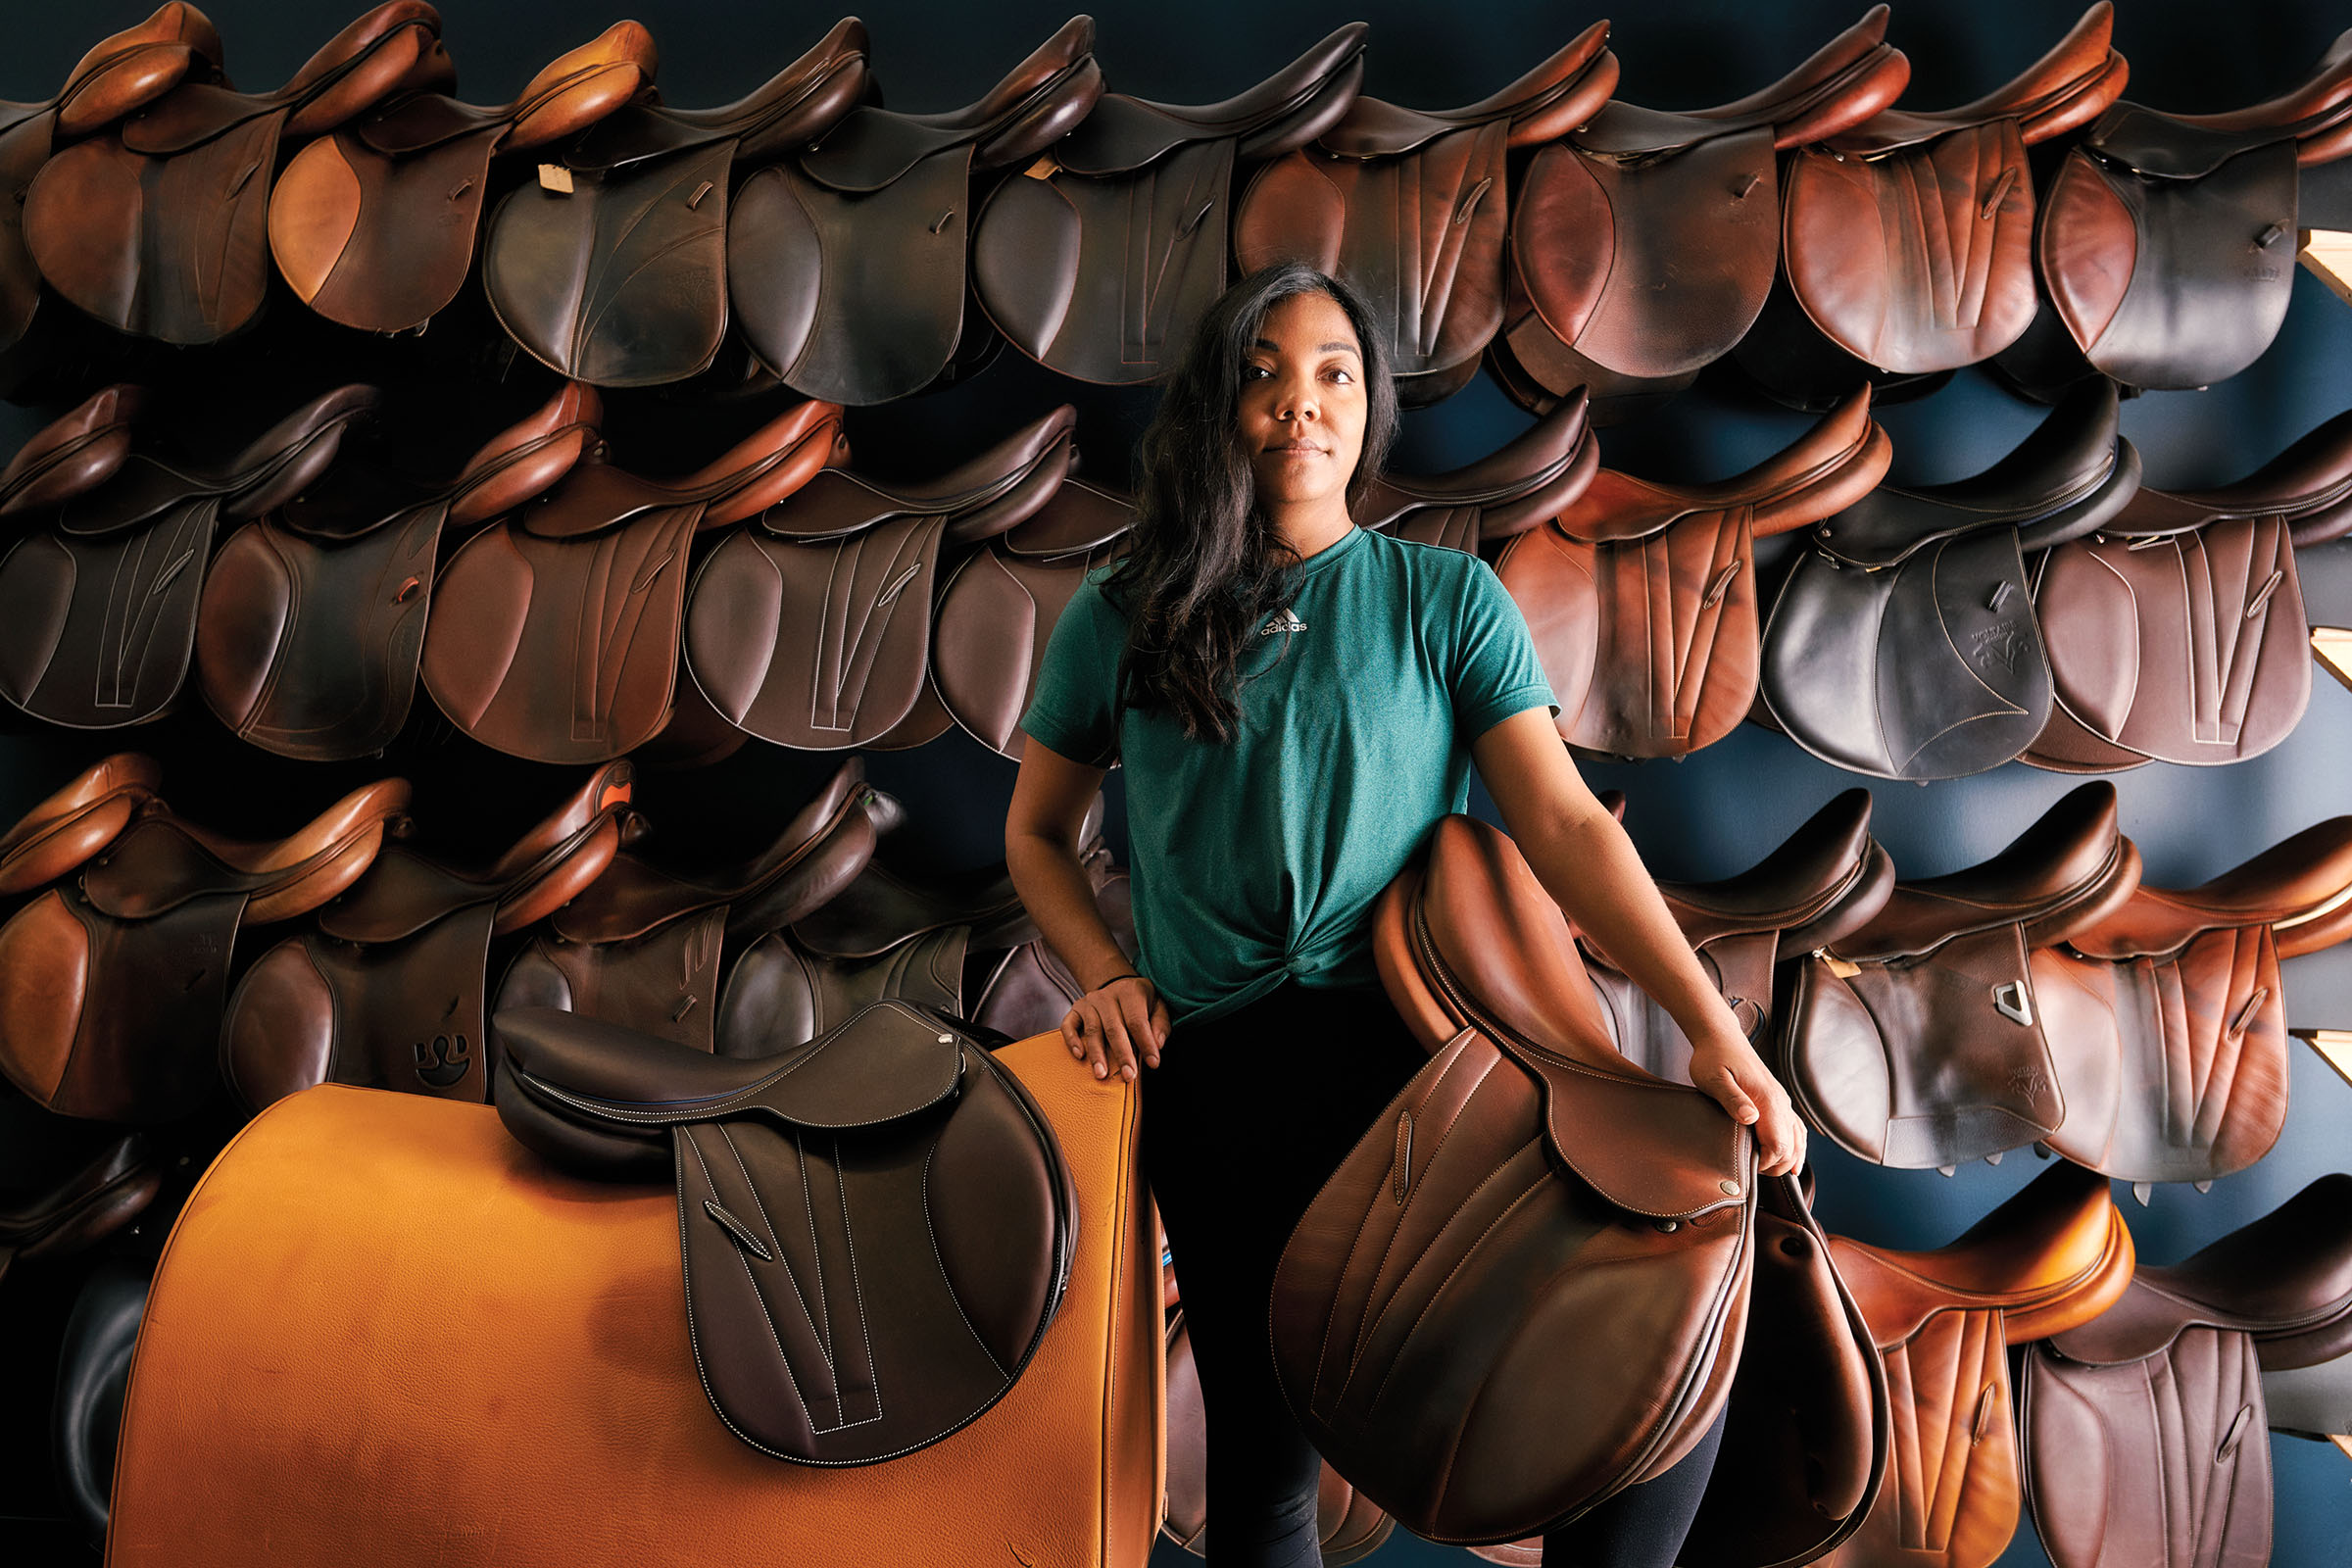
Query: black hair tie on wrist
x,y
1129,975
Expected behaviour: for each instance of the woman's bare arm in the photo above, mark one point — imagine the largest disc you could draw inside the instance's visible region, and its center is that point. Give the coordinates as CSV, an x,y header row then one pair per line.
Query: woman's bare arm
x,y
1588,865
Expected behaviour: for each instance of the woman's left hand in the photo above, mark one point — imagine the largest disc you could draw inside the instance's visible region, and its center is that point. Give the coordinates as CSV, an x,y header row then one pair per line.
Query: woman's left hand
x,y
1737,1077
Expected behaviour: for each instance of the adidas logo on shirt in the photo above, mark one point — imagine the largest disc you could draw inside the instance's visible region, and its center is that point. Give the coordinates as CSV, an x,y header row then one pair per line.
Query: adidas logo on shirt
x,y
1286,620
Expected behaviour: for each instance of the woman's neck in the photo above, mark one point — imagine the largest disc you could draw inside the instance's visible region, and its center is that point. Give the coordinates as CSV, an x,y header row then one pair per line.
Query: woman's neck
x,y
1314,527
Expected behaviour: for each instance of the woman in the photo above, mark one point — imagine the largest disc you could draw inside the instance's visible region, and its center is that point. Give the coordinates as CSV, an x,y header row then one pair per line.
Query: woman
x,y
1297,700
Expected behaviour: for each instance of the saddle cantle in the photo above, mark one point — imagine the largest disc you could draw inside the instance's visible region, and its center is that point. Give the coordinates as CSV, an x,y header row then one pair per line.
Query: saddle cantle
x,y
2143,1428
1906,240
1098,260
1514,488
644,946
82,1209
1920,1040
1903,642
810,625
100,595
2178,630
1411,206
2168,1018
386,991
2049,1260
110,983
1641,596
1643,242
814,297
160,228
2167,242
374,227
825,1342
73,824
312,619
557,632
613,267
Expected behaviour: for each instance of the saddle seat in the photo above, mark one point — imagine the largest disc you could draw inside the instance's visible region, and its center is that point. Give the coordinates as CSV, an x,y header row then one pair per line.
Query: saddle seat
x,y
1849,78
1551,100
131,68
1125,132
749,477
1529,479
2065,89
392,47
2316,114
73,454
975,497
564,97
2308,485
163,861
77,821
808,95
1831,859
2301,888
89,1203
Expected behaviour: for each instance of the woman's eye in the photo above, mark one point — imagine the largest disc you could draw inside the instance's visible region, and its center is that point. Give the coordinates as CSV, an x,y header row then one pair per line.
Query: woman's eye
x,y
1254,372
1343,377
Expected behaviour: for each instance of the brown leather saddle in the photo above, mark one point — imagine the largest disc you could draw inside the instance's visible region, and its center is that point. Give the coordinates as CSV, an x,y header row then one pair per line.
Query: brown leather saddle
x,y
1920,1040
2178,630
613,267
876,1228
1643,242
810,625
2167,1017
312,619
1411,207
1528,479
1099,258
556,631
95,1199
814,297
1906,241
160,228
386,989
1641,596
1028,988
645,945
374,227
2167,242
2144,1440
73,824
100,592
111,983
2045,1262
1903,642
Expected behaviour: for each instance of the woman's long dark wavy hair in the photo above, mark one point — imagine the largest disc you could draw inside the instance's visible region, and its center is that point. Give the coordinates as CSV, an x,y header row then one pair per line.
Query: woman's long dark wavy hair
x,y
1207,566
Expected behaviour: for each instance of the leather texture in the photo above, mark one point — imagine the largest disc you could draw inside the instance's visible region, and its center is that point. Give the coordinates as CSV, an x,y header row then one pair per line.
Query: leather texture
x,y
89,1203
93,1371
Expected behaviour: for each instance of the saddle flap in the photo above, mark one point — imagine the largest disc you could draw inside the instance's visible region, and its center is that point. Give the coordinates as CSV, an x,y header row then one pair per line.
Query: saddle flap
x,y
1124,135
1555,98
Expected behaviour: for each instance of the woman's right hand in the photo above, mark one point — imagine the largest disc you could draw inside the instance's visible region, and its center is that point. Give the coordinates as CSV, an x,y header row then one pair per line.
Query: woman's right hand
x,y
1116,1024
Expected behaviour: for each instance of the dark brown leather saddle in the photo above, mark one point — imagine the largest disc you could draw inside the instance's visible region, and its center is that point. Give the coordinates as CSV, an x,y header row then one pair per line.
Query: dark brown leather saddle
x,y
91,1202
2178,630
1098,260
1458,1248
1641,596
645,945
1528,479
1643,242
374,227
1028,988
100,593
386,989
1906,241
2145,1438
814,296
111,983
2048,1261
1411,207
160,228
810,625
1903,642
312,620
613,267
2167,1017
556,631
2167,242
1919,1039
928,1219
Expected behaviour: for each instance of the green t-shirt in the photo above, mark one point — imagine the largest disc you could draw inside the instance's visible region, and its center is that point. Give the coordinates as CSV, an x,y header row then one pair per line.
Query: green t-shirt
x,y
1262,859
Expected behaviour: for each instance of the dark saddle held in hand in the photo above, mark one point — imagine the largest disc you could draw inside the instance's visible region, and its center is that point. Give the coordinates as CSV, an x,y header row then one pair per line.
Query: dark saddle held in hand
x,y
877,1227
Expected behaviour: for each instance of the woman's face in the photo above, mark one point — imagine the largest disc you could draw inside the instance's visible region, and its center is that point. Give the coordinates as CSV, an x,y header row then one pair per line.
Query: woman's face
x,y
1302,402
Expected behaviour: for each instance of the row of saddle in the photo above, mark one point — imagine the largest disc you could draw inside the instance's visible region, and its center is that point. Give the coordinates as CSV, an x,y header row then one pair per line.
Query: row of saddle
x,y
2135,1436
1587,240
117,1001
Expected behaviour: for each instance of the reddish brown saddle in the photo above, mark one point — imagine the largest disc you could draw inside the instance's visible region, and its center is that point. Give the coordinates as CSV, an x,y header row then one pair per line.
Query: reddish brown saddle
x,y
110,983
2048,1261
2178,630
1527,480
1642,596
1643,242
556,636
91,1202
1411,207
160,228
374,225
810,626
312,619
68,827
386,991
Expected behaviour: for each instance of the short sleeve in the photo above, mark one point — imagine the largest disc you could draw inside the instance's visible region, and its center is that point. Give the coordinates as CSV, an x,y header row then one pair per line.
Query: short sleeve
x,y
1071,709
1495,672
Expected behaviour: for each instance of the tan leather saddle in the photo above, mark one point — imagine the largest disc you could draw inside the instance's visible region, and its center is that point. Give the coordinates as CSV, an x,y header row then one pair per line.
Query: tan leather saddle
x,y
374,225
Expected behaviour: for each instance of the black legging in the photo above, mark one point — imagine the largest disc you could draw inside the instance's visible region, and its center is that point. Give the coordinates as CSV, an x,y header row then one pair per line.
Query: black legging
x,y
1244,1120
